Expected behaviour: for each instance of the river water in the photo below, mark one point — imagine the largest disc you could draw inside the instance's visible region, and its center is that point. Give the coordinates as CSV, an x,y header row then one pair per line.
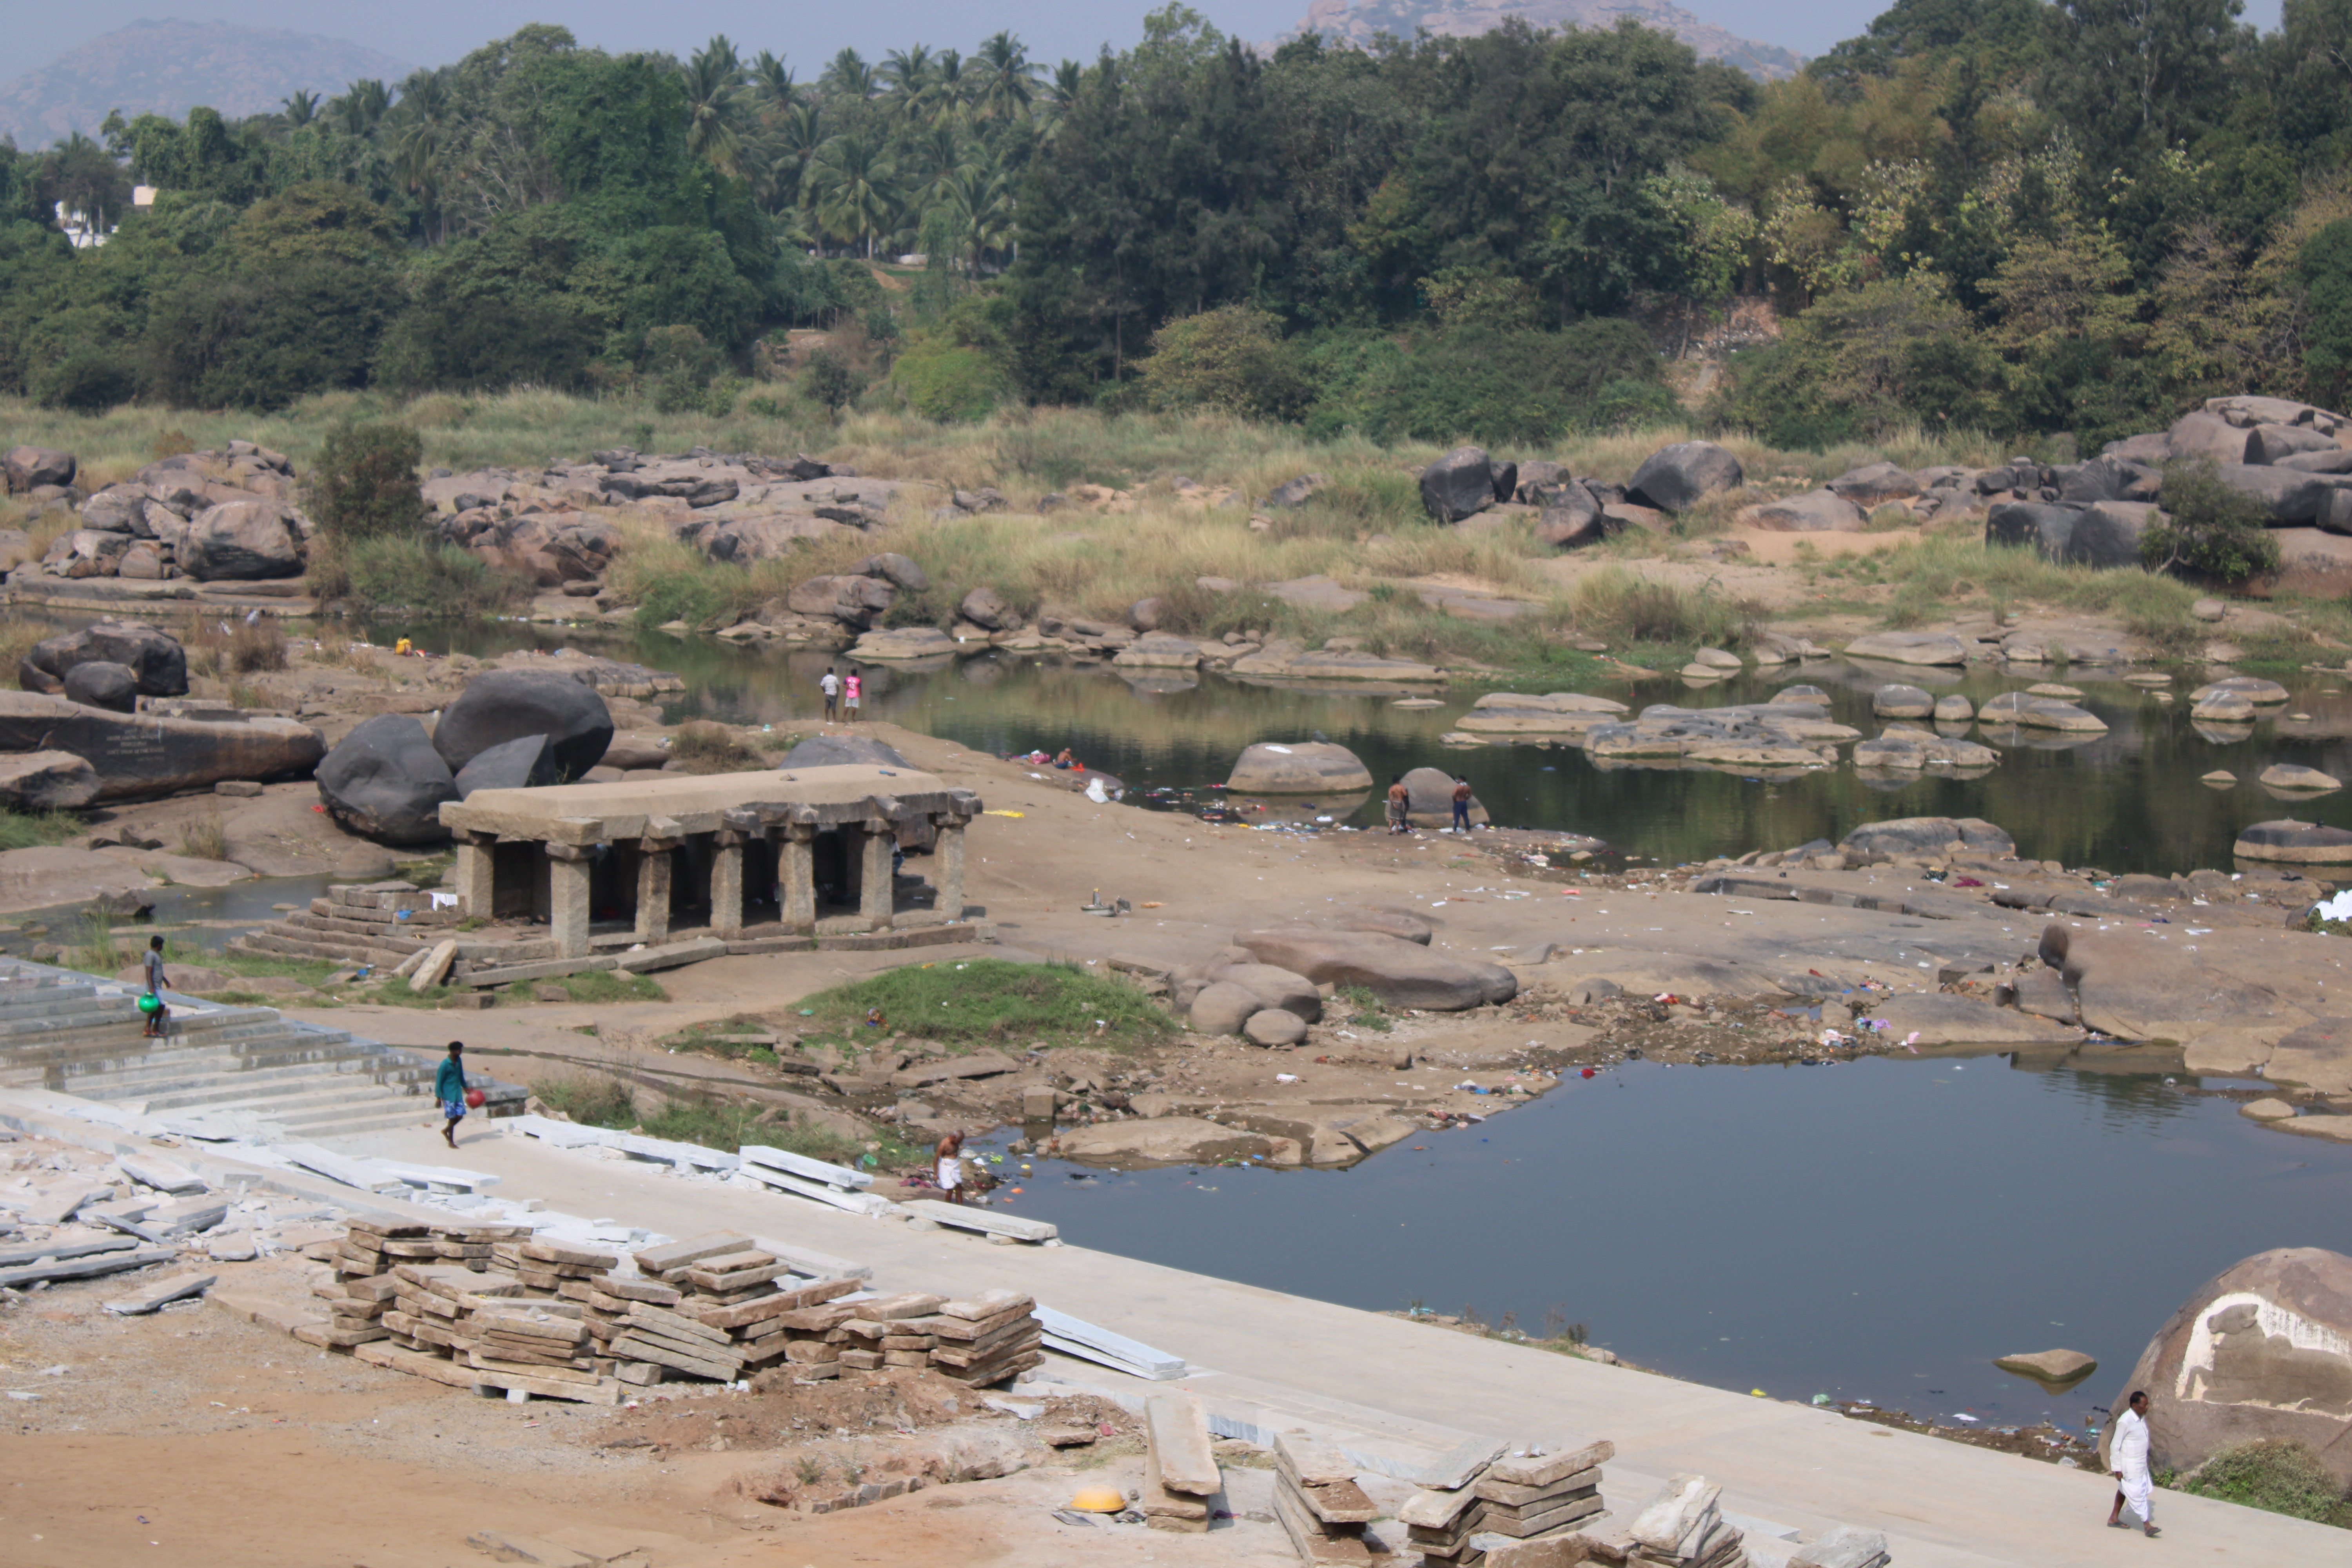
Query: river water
x,y
1877,1229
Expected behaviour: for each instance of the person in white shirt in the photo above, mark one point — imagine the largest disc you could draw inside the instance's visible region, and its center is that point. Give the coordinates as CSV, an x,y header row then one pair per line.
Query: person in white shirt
x,y
830,684
2127,1452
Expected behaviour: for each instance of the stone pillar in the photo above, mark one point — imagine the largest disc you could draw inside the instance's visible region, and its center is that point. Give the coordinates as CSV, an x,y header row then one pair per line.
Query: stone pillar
x,y
796,870
726,883
875,888
654,861
478,875
946,857
567,904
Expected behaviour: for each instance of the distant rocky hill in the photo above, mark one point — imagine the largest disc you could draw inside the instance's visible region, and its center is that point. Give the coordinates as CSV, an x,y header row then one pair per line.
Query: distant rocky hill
x,y
170,66
1356,21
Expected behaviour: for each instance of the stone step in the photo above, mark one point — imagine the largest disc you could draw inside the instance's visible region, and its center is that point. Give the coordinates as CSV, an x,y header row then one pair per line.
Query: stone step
x,y
185,1082
288,943
188,1030
367,934
419,1115
289,1095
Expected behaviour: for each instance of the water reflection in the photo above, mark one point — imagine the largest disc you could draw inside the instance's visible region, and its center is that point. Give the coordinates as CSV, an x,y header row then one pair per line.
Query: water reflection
x,y
2128,800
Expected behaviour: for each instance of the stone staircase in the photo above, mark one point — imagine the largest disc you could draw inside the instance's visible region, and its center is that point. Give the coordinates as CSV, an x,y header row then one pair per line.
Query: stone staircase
x,y
244,1069
381,926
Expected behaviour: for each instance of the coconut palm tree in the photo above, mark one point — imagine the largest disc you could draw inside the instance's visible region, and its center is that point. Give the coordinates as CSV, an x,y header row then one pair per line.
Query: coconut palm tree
x,y
978,200
772,89
850,75
857,185
297,108
789,152
717,105
1007,82
907,72
422,139
359,109
929,157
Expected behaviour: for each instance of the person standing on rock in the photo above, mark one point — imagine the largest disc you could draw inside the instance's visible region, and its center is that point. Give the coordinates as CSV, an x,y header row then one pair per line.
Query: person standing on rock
x,y
449,1088
1400,806
159,1016
852,689
1461,805
2127,1452
950,1166
830,684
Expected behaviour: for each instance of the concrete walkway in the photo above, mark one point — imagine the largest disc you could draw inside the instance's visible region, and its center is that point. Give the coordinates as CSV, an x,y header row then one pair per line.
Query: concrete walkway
x,y
1388,1385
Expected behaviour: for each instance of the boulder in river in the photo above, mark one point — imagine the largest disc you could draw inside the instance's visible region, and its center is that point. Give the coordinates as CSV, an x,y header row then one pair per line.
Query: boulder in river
x,y
1298,767
2296,777
1677,478
1430,799
1167,1140
242,541
986,607
1905,749
2291,842
1910,647
2028,711
1546,714
501,705
2261,1352
1401,973
2252,687
154,657
386,781
1899,701
2056,1370
145,756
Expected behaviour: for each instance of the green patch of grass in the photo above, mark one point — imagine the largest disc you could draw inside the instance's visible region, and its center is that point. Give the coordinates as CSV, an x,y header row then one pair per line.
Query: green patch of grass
x,y
598,986
30,830
1364,1009
983,1002
606,1101
2280,1477
592,1101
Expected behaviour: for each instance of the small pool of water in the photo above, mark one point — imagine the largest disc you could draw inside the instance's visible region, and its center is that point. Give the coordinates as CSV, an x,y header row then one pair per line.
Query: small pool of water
x,y
1880,1229
2129,800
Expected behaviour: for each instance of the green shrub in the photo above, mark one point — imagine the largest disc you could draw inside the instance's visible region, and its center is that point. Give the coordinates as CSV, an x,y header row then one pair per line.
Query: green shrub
x,y
364,483
2214,530
427,578
947,381
831,380
1232,359
991,1001
2280,1476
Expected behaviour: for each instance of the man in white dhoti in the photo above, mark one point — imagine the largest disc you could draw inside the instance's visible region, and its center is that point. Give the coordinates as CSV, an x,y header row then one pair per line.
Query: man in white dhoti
x,y
2127,1452
950,1154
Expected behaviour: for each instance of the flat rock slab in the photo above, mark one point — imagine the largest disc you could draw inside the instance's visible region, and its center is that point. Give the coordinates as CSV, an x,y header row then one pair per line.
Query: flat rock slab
x,y
178,1288
1942,1018
978,1064
2317,1055
965,1216
1910,647
1177,1427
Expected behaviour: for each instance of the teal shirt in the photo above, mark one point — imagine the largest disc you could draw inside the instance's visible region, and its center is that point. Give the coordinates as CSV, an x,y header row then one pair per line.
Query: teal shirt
x,y
449,1082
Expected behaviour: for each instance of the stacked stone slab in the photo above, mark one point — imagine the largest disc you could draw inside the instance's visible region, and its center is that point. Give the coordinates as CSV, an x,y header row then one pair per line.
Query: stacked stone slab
x,y
378,923
1683,1528
1179,1466
1317,1503
712,1307
988,1340
1539,1493
1843,1547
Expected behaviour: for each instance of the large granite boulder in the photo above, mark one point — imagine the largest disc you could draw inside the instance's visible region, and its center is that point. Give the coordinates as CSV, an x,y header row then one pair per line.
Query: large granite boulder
x,y
2270,443
387,781
1927,648
243,540
1401,973
2204,434
893,568
2293,843
30,467
501,705
144,756
843,751
1929,835
46,781
154,658
99,684
856,601
1875,484
1896,700
986,607
2288,495
2262,1352
1458,485
524,762
1571,517
1812,511
1299,767
86,552
1430,792
1677,478
1539,713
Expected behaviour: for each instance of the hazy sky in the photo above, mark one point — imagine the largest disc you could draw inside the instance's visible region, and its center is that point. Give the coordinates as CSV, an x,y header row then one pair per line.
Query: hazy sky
x,y
433,32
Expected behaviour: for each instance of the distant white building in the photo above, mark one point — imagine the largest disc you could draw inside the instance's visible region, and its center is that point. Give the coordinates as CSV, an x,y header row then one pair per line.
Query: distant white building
x,y
81,229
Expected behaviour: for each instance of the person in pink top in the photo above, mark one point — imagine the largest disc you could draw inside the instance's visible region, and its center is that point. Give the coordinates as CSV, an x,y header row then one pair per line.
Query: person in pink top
x,y
851,691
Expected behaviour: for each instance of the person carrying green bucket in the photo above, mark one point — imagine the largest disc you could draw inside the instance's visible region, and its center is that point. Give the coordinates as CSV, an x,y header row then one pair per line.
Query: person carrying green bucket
x,y
159,1016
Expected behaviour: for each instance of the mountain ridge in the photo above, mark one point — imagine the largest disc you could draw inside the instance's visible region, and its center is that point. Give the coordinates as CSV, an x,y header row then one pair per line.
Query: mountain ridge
x,y
170,66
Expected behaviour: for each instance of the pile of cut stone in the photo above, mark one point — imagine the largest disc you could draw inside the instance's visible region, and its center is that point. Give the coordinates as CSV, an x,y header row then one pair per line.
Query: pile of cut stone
x,y
980,1342
1683,1528
707,1308
1535,1494
1180,1465
1317,1503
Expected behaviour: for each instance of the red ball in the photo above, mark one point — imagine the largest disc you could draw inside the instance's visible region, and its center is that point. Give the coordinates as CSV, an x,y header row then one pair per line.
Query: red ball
x,y
475,1099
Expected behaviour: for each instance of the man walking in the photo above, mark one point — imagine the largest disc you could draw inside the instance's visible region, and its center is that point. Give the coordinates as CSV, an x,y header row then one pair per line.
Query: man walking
x,y
2127,1452
449,1088
1461,805
159,1016
950,1166
1400,806
830,685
